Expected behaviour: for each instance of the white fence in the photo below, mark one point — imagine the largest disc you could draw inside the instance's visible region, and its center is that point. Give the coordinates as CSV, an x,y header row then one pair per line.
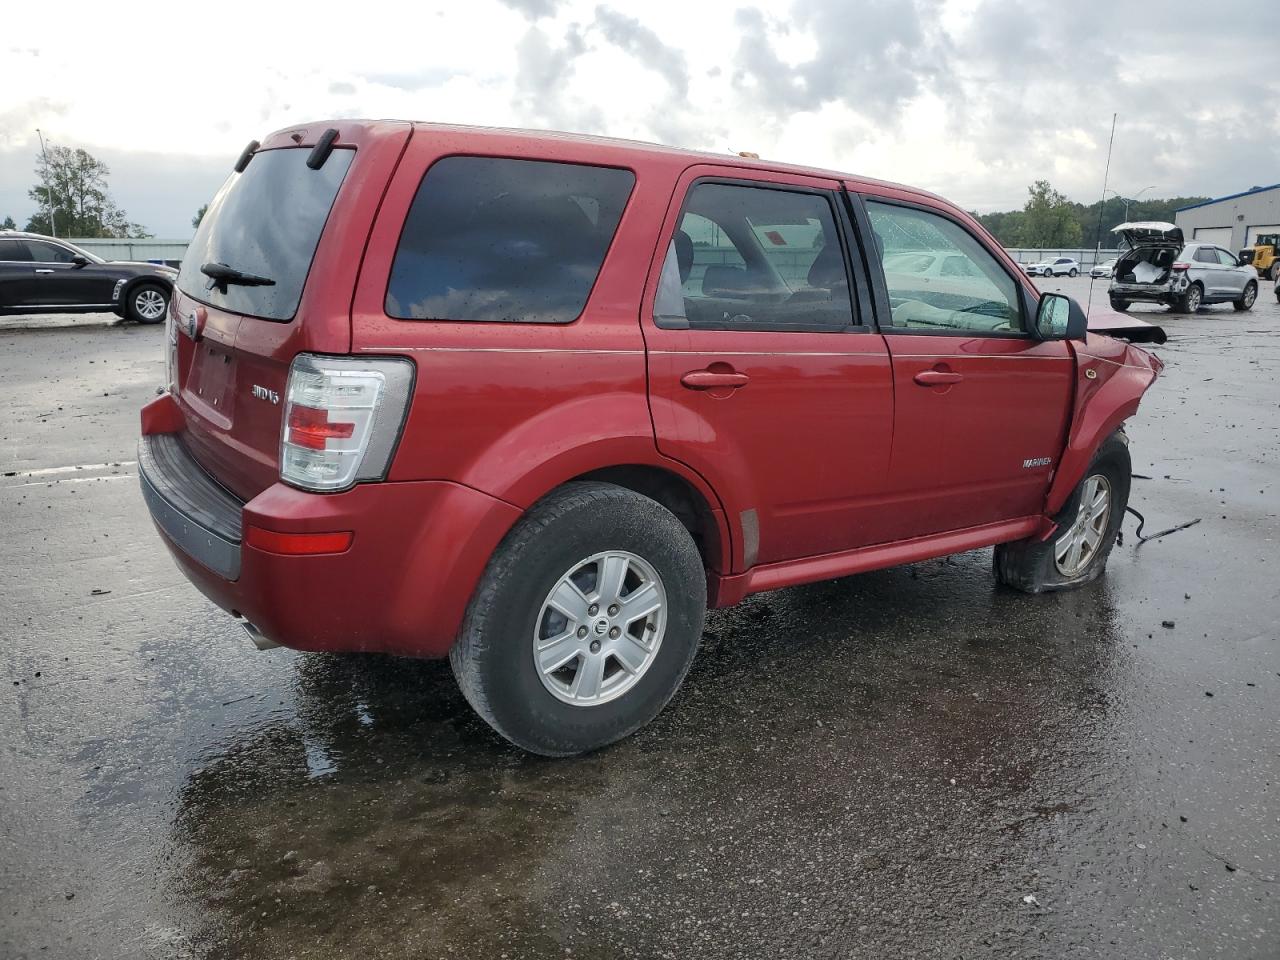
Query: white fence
x,y
1085,258
112,248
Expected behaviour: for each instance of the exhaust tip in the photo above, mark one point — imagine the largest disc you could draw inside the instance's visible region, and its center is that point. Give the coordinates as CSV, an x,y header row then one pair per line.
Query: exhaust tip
x,y
259,640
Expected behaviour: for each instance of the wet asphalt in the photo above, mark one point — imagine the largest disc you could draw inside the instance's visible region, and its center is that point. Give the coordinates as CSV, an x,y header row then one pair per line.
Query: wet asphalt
x,y
908,763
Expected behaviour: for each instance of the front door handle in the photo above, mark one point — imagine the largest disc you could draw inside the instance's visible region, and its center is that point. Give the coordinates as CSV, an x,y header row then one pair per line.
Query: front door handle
x,y
712,380
44,271
937,378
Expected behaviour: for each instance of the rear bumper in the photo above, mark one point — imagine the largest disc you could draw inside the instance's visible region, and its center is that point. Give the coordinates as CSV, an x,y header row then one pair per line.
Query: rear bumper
x,y
402,586
194,513
1153,292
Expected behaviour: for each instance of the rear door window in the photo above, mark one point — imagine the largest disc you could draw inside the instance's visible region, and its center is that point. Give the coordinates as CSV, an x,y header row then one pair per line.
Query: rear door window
x,y
1206,255
267,222
506,241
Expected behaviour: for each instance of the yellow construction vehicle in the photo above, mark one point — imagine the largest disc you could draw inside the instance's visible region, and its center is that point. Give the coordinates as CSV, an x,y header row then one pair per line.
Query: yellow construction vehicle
x,y
1264,255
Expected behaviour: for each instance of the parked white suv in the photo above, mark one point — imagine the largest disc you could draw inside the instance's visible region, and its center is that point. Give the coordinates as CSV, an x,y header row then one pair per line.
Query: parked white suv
x,y
1160,268
1056,267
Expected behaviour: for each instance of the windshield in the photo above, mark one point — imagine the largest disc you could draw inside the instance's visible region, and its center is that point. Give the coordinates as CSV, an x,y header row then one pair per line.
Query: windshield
x,y
266,222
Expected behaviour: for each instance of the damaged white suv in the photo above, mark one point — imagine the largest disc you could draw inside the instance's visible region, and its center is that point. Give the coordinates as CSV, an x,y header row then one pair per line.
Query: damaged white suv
x,y
1158,267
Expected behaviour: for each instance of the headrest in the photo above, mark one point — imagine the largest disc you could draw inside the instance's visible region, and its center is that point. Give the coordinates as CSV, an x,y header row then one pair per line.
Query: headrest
x,y
827,269
684,254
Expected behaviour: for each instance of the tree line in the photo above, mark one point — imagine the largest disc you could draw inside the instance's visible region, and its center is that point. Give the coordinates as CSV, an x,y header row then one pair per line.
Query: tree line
x,y
73,198
1051,220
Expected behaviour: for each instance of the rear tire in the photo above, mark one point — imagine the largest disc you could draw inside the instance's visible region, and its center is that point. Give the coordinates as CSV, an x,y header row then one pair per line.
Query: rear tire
x,y
147,303
1120,306
1190,301
1074,272
1247,298
516,630
1035,566
1274,273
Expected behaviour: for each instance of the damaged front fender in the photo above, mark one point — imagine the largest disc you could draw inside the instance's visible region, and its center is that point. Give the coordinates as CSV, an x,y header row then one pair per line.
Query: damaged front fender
x,y
1111,378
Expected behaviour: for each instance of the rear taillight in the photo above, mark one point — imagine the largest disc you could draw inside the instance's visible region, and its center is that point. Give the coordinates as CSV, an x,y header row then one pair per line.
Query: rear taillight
x,y
342,419
1182,266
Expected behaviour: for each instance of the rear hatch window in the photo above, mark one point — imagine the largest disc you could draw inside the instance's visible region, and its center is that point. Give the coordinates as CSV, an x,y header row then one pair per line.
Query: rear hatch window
x,y
265,222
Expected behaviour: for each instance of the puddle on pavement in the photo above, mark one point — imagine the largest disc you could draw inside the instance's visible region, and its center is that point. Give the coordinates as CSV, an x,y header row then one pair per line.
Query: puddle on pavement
x,y
381,809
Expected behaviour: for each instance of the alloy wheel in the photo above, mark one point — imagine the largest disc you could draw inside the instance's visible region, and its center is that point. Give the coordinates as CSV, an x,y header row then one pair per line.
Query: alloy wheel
x,y
149,304
1081,543
599,629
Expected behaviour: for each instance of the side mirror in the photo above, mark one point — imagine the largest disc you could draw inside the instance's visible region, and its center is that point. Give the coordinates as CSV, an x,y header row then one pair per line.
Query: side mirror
x,y
80,261
1060,318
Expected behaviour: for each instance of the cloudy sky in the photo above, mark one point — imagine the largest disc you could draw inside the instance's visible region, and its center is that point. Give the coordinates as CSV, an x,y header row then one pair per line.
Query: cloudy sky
x,y
973,99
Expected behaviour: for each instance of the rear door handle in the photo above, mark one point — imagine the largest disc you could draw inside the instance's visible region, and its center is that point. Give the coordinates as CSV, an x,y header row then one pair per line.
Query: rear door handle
x,y
937,378
710,380
44,271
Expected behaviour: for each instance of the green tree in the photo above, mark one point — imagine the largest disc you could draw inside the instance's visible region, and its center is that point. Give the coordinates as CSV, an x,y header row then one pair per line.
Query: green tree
x,y
1049,219
1005,226
195,221
8,224
1095,220
74,184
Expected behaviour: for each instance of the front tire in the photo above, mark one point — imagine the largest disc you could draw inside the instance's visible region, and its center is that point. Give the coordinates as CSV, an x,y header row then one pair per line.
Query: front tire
x,y
585,621
1274,274
147,303
1078,549
1247,298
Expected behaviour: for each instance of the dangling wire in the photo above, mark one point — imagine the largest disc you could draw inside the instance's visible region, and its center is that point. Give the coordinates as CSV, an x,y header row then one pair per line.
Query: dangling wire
x,y
1154,536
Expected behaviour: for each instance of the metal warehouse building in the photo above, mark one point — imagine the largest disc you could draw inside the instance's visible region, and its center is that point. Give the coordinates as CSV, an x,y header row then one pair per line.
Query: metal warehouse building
x,y
1233,221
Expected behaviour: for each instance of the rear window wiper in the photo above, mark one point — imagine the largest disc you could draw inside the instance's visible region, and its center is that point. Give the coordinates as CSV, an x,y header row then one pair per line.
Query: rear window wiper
x,y
220,275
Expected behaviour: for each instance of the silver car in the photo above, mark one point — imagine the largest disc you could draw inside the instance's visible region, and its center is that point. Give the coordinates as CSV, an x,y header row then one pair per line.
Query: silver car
x,y
1057,267
1159,267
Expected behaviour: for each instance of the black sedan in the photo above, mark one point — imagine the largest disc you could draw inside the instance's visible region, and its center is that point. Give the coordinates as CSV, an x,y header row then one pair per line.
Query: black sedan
x,y
45,275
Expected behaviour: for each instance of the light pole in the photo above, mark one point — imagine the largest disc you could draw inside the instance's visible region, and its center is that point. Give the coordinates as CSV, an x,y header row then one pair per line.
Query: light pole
x,y
48,187
1128,200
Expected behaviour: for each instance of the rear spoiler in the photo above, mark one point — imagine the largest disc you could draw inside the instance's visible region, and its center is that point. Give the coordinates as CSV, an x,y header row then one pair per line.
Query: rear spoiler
x,y
1125,328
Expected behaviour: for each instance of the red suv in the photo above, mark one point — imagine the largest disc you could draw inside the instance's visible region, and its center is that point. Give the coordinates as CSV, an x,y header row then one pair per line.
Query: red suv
x,y
535,401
